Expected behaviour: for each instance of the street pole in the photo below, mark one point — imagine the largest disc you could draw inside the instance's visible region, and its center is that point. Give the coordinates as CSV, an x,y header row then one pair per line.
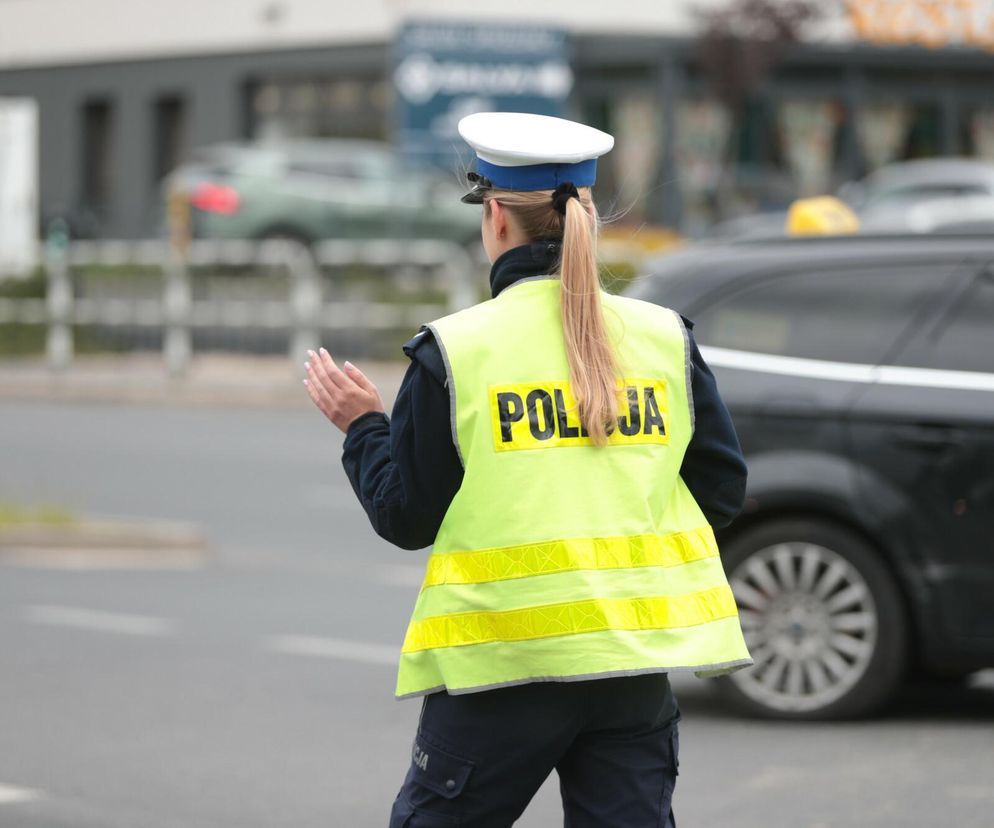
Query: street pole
x,y
58,297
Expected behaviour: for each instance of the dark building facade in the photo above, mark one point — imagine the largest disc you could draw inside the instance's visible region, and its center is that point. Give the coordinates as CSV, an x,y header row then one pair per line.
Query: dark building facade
x,y
826,114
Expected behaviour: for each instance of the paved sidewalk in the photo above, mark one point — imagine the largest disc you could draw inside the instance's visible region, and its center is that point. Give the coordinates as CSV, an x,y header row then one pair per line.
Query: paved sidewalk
x,y
213,379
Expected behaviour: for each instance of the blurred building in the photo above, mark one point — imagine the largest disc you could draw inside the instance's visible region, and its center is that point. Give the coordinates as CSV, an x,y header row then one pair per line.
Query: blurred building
x,y
126,88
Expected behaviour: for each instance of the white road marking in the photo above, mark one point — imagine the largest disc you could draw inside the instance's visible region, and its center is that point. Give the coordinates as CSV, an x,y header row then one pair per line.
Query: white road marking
x,y
72,560
97,620
312,645
10,795
976,792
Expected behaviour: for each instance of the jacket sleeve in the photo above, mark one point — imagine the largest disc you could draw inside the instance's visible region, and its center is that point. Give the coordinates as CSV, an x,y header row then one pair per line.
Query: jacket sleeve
x,y
713,467
405,469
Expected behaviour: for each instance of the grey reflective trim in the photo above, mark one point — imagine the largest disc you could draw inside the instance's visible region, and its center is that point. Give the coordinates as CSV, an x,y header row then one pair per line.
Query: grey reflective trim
x,y
451,385
417,693
710,669
688,368
545,278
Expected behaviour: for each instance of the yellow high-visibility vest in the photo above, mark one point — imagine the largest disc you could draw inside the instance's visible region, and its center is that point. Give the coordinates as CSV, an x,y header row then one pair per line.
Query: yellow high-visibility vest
x,y
559,560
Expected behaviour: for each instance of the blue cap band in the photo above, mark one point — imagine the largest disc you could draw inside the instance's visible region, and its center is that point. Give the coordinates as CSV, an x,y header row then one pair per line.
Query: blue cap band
x,y
538,176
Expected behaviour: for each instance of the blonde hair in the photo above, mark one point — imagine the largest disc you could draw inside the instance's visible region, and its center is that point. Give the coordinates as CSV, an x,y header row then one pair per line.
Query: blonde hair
x,y
591,357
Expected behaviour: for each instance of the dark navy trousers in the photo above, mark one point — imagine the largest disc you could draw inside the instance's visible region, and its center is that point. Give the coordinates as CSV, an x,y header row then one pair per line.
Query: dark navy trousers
x,y
479,758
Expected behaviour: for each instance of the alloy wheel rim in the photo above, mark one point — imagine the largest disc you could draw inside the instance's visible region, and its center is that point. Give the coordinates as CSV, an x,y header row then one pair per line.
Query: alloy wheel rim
x,y
810,622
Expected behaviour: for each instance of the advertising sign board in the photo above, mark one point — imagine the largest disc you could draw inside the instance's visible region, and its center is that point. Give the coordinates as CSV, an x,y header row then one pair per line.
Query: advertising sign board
x,y
930,23
443,71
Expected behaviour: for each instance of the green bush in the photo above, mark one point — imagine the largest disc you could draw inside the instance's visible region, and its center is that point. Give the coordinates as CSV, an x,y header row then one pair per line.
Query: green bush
x,y
30,287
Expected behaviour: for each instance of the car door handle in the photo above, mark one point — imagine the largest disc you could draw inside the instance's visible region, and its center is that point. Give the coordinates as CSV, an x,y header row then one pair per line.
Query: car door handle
x,y
928,437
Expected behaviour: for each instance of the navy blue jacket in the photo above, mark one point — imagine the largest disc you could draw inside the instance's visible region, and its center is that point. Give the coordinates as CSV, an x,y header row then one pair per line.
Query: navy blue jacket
x,y
405,469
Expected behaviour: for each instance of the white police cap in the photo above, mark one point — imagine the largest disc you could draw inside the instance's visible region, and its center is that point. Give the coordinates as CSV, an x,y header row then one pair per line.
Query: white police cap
x,y
521,151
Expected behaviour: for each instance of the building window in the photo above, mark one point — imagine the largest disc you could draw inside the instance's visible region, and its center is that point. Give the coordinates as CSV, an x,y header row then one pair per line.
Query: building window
x,y
978,132
170,134
98,154
319,108
923,139
735,165
810,135
891,132
703,132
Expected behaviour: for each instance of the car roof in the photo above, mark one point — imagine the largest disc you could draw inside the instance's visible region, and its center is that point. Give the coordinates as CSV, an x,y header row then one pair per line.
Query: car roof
x,y
786,248
933,171
698,268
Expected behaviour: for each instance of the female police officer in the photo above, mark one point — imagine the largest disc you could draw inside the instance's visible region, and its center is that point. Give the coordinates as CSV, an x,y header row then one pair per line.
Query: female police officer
x,y
544,442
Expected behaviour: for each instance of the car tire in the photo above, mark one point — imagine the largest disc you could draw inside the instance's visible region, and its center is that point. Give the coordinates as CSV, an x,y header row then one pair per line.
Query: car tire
x,y
823,619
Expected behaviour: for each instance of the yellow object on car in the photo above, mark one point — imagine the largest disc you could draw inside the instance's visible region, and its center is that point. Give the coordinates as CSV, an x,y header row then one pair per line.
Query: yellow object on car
x,y
824,215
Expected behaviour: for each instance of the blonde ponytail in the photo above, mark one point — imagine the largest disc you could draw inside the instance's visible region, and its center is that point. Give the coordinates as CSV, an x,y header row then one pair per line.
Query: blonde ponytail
x,y
591,357
592,364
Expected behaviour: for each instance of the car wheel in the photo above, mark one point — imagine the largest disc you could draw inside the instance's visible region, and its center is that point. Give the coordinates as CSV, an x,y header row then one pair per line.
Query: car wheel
x,y
823,620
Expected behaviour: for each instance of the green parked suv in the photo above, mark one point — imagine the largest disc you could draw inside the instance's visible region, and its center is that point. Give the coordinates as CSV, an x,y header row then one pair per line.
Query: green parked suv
x,y
318,189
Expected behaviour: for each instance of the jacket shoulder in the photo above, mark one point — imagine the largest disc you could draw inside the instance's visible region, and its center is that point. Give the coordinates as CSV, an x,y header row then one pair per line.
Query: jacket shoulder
x,y
422,338
423,349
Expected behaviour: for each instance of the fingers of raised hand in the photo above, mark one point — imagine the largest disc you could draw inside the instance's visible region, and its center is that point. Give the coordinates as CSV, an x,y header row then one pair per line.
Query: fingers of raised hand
x,y
342,396
318,380
318,395
323,395
325,368
360,379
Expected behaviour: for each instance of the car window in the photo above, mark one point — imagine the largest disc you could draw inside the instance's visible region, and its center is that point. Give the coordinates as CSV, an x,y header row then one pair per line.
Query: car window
x,y
221,160
258,162
851,315
381,167
962,338
325,167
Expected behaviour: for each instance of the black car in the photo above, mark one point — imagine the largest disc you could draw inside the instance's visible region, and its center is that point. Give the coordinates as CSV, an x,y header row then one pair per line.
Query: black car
x,y
860,375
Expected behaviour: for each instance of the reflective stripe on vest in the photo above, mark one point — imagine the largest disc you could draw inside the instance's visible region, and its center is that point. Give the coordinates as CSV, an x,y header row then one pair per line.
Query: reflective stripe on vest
x,y
570,554
558,559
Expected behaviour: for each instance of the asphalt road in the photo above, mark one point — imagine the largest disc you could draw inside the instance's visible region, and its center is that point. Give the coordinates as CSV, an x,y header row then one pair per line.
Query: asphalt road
x,y
256,690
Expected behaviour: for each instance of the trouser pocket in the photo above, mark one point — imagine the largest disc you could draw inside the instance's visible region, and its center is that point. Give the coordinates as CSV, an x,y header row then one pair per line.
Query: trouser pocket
x,y
434,782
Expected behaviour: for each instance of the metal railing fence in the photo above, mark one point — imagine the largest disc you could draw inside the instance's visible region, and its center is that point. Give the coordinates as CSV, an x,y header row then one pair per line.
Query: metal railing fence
x,y
302,292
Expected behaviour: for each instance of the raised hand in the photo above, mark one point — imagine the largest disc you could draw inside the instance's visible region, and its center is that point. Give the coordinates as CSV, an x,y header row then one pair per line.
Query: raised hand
x,y
342,394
